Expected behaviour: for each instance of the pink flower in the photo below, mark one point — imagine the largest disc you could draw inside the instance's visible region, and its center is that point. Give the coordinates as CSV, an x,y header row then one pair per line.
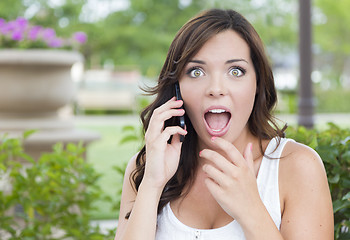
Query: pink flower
x,y
17,35
20,29
48,33
80,37
55,43
2,22
2,25
34,33
21,23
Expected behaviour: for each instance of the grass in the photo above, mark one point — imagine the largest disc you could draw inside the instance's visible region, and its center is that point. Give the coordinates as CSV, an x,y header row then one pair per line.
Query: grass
x,y
106,153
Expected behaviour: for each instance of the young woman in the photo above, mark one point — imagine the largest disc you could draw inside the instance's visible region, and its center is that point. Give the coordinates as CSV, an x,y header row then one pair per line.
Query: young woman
x,y
234,176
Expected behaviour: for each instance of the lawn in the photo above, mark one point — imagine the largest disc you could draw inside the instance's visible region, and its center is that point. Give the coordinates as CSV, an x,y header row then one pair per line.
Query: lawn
x,y
107,152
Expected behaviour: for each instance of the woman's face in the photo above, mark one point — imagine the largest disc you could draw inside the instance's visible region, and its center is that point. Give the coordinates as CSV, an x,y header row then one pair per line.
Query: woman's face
x,y
218,87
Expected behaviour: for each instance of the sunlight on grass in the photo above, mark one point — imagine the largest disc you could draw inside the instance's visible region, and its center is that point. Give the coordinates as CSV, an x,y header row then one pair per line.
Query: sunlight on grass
x,y
103,155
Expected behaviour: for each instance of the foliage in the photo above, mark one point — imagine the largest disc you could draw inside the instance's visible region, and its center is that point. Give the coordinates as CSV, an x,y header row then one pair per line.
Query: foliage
x,y
48,198
20,33
333,146
335,100
331,34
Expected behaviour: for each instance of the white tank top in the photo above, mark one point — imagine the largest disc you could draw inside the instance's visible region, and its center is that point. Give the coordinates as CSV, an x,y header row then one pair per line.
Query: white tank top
x,y
170,228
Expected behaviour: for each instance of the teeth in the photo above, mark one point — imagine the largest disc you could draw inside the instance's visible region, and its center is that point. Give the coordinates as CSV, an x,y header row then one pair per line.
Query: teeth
x,y
217,111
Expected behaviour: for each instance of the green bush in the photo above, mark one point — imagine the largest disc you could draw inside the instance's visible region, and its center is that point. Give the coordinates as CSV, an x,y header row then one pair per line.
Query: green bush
x,y
55,193
333,146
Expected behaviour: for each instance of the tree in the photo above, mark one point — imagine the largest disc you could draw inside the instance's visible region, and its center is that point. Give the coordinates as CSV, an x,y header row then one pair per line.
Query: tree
x,y
331,35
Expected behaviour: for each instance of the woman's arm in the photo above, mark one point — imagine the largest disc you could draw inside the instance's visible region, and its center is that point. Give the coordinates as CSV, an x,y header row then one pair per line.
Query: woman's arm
x,y
142,221
162,160
308,211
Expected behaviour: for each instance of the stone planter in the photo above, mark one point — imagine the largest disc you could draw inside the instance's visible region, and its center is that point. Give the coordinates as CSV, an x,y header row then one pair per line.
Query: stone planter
x,y
36,81
34,85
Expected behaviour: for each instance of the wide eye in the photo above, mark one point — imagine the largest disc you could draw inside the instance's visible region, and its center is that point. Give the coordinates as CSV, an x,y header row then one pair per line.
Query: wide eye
x,y
236,72
196,72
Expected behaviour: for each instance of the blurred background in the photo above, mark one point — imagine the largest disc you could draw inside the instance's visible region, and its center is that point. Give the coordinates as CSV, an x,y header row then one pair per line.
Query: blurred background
x,y
127,42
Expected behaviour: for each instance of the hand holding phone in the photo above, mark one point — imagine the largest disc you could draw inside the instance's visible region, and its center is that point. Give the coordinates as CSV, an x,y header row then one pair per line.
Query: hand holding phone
x,y
181,118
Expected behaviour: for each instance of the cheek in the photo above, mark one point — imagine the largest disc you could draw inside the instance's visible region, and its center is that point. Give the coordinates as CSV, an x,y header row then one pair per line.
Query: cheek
x,y
191,99
244,99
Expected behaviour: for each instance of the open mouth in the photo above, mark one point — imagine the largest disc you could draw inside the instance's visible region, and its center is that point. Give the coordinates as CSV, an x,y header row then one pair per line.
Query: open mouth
x,y
217,121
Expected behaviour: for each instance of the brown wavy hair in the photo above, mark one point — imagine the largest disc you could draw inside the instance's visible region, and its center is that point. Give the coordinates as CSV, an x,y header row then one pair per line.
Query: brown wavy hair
x,y
187,42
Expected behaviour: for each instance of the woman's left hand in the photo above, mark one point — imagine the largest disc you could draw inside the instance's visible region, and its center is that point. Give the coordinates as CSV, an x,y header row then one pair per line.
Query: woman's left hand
x,y
231,178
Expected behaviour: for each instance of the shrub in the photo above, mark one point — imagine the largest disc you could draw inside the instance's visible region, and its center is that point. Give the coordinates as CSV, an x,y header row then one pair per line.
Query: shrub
x,y
55,193
333,146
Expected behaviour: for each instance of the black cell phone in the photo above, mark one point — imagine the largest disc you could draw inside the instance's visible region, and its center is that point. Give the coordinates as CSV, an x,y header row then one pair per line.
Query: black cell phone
x,y
181,118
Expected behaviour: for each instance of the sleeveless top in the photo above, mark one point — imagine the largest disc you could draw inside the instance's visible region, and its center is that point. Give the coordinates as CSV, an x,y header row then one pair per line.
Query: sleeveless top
x,y
170,228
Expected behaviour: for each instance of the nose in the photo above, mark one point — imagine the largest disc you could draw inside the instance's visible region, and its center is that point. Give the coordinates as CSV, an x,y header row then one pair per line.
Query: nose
x,y
216,87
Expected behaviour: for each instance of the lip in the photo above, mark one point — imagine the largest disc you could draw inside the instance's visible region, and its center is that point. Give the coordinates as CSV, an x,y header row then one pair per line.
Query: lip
x,y
223,131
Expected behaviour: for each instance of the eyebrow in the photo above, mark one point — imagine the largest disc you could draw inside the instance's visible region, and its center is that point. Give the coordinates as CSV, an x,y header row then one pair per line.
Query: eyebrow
x,y
227,62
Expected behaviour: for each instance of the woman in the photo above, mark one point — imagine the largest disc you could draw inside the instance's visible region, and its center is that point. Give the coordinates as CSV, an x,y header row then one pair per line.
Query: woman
x,y
234,176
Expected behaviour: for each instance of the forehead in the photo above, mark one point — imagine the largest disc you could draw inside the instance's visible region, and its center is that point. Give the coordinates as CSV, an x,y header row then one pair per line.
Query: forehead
x,y
224,45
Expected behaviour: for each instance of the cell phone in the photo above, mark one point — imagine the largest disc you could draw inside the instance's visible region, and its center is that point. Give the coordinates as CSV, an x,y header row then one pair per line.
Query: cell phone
x,y
181,118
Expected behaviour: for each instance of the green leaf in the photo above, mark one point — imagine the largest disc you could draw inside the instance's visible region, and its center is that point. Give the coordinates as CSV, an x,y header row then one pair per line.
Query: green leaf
x,y
128,128
129,138
339,205
27,133
334,179
346,197
3,167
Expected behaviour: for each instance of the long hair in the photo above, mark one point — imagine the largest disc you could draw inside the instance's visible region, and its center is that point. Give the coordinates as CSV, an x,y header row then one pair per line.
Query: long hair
x,y
187,42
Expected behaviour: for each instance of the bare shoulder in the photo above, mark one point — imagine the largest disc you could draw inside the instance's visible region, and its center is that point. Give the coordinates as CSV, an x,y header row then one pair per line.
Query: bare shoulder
x,y
300,168
305,196
301,158
301,163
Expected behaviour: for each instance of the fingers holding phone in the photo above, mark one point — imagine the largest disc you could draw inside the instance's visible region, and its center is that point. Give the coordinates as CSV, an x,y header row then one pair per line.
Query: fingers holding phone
x,y
162,158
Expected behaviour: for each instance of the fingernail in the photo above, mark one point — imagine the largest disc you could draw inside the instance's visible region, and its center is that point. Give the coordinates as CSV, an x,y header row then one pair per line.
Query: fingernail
x,y
251,147
200,152
213,138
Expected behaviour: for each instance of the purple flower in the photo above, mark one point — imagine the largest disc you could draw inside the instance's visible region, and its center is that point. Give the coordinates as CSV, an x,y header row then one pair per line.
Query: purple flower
x,y
10,26
20,29
80,37
21,23
2,25
34,32
2,22
17,35
48,33
55,43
